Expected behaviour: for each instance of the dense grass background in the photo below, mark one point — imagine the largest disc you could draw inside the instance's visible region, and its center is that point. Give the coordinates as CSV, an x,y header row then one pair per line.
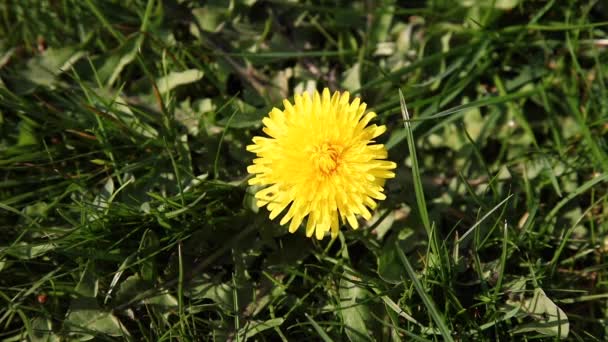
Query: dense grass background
x,y
124,208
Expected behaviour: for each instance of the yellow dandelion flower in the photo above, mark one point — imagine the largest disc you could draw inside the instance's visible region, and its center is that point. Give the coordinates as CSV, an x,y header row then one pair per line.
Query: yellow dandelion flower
x,y
320,160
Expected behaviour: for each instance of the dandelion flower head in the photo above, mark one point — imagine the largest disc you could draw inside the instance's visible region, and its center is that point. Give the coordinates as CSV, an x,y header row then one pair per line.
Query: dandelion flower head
x,y
320,162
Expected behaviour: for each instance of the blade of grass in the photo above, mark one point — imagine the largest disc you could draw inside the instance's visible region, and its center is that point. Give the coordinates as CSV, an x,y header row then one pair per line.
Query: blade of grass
x,y
426,299
493,100
180,290
569,232
521,118
322,334
418,189
503,261
581,189
219,145
105,21
483,218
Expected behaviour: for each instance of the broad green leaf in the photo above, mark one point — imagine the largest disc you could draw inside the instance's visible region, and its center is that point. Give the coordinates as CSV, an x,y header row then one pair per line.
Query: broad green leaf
x,y
6,55
131,289
382,227
43,70
497,4
245,115
195,115
221,294
354,314
279,88
389,266
88,285
165,301
177,78
27,133
126,263
42,331
209,18
382,22
85,317
399,135
28,251
352,78
253,327
111,65
103,198
549,318
38,209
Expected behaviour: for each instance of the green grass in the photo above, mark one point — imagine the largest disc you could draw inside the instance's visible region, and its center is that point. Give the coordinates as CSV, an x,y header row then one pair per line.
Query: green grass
x,y
125,212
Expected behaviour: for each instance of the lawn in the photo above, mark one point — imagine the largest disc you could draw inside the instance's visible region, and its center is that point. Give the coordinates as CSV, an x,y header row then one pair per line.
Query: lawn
x,y
127,212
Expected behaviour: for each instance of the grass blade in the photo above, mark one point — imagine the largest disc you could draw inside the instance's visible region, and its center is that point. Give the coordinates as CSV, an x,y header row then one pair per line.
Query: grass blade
x,y
420,200
426,299
322,334
483,218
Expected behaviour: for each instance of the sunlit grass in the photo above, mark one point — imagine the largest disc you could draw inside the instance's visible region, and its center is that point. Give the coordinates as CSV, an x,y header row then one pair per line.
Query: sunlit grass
x,y
125,209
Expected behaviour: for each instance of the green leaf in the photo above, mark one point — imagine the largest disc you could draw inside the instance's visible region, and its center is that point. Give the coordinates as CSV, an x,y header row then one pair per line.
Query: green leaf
x,y
161,302
111,65
38,209
27,133
389,268
221,294
43,70
354,314
167,302
4,264
252,328
247,115
498,4
129,289
28,251
399,135
209,18
550,319
352,78
426,299
85,317
103,199
42,331
175,79
382,22
6,55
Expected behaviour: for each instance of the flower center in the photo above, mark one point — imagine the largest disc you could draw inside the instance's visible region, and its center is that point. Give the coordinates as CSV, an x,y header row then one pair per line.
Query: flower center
x,y
326,157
